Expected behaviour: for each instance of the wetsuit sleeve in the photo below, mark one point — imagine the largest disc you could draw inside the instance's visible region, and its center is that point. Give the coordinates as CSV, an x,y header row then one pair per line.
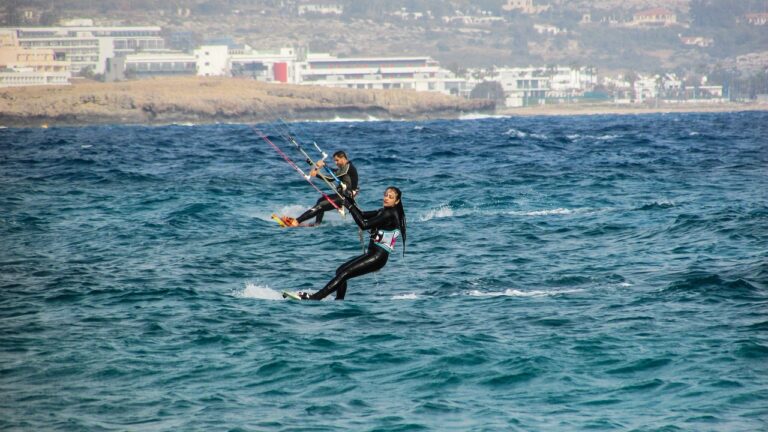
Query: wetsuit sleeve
x,y
340,173
344,175
374,219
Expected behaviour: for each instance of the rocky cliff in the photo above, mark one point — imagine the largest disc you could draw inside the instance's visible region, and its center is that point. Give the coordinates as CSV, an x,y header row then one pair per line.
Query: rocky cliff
x,y
207,99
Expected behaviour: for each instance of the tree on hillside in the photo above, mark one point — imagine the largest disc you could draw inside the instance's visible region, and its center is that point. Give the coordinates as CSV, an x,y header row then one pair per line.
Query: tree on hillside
x,y
13,13
490,90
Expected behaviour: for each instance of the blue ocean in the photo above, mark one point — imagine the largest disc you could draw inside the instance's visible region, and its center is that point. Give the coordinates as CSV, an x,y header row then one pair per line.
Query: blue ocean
x,y
571,273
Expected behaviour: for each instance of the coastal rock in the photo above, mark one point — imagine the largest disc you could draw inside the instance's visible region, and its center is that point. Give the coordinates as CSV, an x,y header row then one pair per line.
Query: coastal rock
x,y
213,99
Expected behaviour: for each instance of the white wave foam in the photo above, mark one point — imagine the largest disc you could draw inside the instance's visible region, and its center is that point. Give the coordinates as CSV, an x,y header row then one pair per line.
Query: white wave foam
x,y
445,211
607,137
515,132
410,296
477,116
511,292
288,210
257,291
440,212
578,137
338,119
557,211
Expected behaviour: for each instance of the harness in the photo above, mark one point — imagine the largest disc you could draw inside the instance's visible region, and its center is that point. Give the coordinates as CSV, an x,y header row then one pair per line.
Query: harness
x,y
385,239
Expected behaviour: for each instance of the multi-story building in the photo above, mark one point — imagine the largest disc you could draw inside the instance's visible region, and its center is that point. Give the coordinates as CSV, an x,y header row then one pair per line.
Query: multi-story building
x,y
88,46
320,8
213,60
654,17
27,67
757,19
568,83
272,65
416,73
525,6
158,64
523,86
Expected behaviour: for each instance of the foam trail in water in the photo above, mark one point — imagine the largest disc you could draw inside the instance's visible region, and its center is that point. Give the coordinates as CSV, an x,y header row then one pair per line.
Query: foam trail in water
x,y
257,291
409,296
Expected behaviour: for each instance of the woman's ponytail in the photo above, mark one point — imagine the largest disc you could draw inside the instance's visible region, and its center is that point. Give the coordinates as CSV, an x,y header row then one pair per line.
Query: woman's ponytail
x,y
400,214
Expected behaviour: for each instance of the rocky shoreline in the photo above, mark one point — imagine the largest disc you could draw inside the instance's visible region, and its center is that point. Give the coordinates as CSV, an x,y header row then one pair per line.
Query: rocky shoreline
x,y
213,99
230,100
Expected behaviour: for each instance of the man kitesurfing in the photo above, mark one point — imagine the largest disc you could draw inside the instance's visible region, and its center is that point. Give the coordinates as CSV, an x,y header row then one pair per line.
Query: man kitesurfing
x,y
332,181
346,173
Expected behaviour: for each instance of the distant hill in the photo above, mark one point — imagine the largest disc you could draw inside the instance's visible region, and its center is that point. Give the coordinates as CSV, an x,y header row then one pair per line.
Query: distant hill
x,y
586,32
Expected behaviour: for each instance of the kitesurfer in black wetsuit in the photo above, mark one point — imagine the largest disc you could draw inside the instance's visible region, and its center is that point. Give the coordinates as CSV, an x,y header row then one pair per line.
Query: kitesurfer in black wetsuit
x,y
385,225
347,173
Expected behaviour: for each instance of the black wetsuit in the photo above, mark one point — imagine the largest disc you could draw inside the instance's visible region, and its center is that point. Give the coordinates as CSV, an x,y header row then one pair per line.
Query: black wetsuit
x,y
380,223
348,175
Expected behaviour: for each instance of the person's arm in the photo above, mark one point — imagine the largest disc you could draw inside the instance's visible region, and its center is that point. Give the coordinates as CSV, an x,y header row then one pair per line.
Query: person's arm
x,y
342,173
369,219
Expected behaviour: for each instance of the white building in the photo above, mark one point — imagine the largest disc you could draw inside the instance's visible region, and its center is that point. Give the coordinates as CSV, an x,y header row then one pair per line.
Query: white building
x,y
415,73
549,29
160,63
29,67
472,19
654,17
213,60
666,88
568,83
269,65
523,86
320,8
87,46
525,6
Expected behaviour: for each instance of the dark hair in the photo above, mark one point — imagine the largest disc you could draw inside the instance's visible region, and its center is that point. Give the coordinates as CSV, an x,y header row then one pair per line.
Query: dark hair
x,y
340,153
400,213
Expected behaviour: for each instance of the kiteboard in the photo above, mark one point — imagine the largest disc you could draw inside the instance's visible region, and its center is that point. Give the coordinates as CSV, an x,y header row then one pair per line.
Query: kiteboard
x,y
291,295
285,222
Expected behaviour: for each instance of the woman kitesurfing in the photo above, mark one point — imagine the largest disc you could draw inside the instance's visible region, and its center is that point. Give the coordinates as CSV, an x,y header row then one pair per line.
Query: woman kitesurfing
x,y
386,225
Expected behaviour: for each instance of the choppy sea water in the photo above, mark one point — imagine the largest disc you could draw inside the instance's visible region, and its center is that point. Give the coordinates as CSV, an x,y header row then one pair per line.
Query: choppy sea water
x,y
561,273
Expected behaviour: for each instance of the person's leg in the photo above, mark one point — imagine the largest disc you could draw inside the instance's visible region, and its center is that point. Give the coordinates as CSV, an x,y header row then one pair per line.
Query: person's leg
x,y
370,262
327,206
312,211
321,206
341,291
